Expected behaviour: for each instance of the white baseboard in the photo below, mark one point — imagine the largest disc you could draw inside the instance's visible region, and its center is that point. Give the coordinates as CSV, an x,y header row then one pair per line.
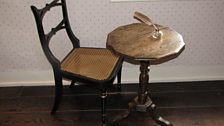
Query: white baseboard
x,y
178,73
129,75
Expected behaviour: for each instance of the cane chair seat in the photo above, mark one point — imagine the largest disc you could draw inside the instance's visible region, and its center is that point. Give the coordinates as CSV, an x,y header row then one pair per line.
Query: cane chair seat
x,y
93,63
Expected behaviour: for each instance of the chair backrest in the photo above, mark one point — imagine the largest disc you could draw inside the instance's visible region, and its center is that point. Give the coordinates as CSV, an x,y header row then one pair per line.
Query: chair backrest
x,y
46,37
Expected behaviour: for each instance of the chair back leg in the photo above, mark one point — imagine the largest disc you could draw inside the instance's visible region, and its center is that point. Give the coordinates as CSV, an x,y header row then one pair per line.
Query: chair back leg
x,y
58,91
72,83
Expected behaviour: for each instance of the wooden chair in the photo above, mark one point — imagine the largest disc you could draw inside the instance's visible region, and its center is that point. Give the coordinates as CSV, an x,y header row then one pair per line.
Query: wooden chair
x,y
96,67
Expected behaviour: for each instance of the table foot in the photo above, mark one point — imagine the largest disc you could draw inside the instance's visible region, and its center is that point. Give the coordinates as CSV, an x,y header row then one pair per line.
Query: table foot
x,y
147,107
156,117
125,114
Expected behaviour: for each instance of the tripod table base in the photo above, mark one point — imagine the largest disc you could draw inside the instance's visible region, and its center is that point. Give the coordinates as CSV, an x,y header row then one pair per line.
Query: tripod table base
x,y
148,107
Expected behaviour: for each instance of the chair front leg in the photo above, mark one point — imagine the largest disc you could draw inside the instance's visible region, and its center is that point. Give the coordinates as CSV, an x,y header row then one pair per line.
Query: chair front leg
x,y
103,106
119,79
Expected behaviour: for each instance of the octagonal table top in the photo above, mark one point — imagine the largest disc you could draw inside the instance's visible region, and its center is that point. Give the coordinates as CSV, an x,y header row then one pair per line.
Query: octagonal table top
x,y
137,41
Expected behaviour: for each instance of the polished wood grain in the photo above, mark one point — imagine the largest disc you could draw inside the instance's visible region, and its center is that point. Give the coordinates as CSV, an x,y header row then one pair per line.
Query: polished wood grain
x,y
136,41
183,103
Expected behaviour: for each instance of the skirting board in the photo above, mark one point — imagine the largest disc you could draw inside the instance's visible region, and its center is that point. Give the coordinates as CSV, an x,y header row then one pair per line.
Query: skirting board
x,y
129,75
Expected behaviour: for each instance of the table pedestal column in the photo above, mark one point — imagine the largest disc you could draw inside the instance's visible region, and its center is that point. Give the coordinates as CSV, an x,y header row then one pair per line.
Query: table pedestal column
x,y
142,102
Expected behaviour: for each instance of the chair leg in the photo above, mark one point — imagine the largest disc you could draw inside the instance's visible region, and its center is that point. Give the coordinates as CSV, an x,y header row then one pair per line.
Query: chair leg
x,y
103,106
58,92
72,84
119,79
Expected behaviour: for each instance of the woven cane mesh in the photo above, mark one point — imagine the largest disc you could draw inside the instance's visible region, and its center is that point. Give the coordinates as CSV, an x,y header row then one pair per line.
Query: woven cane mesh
x,y
89,62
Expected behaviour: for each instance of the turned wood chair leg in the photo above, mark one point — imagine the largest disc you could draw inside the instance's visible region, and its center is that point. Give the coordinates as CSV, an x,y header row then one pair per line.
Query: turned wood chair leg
x,y
119,79
103,106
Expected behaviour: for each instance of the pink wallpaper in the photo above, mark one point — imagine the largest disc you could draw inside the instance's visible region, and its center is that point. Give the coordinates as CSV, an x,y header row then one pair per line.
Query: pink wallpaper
x,y
201,22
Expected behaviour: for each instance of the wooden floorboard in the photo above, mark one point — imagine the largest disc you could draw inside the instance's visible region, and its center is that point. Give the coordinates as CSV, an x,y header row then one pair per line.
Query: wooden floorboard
x,y
179,117
183,103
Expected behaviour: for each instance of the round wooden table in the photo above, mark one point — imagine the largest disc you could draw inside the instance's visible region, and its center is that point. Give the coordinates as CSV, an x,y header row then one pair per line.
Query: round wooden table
x,y
138,42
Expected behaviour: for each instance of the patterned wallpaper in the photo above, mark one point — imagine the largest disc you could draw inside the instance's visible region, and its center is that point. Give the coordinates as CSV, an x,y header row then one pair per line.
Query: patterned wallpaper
x,y
201,22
